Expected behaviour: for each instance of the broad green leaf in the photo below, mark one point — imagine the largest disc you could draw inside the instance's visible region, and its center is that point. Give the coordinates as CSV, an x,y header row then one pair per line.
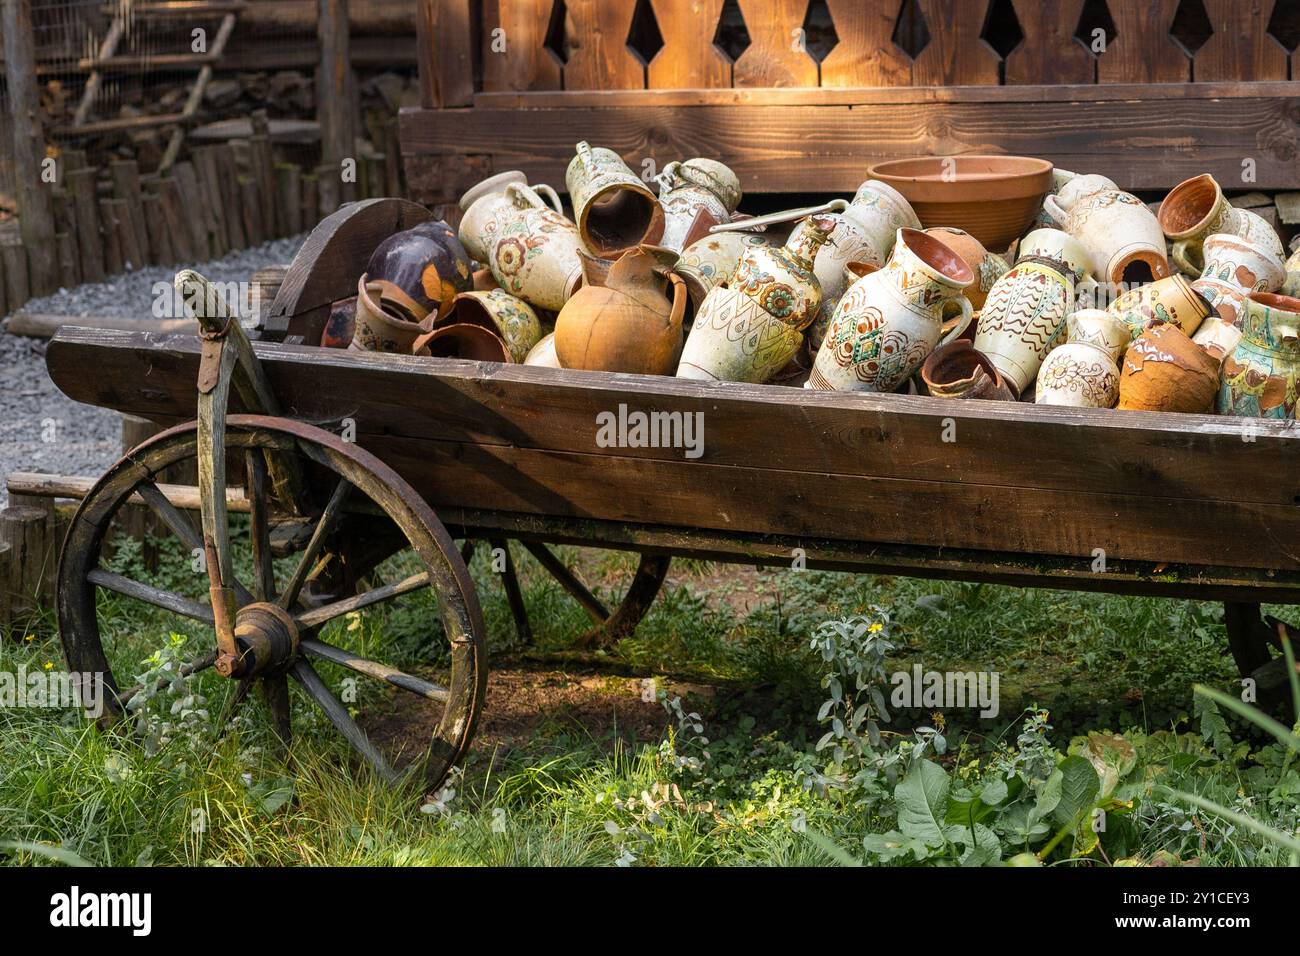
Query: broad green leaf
x,y
1112,756
1024,859
1256,717
1079,786
922,799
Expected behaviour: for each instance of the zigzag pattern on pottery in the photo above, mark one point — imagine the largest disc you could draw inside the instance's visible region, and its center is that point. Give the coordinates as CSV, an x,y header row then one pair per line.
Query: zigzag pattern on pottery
x,y
763,340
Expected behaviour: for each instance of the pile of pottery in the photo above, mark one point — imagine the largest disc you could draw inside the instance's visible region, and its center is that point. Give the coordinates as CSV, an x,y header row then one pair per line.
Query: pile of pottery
x,y
1101,303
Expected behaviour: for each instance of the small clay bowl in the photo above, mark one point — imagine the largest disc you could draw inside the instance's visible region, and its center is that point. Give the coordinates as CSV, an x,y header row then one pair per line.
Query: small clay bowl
x,y
994,198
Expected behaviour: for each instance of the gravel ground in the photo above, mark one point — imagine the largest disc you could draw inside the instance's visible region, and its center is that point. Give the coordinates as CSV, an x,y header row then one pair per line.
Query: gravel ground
x,y
43,430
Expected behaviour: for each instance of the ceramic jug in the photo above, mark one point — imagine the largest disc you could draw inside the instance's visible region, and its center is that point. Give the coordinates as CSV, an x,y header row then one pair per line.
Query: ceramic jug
x,y
382,324
1068,187
691,187
750,328
1196,209
627,317
614,209
498,311
1260,376
531,248
1122,236
1172,300
1165,371
542,355
1234,268
427,263
714,259
1021,320
864,232
988,267
888,322
1056,244
1083,373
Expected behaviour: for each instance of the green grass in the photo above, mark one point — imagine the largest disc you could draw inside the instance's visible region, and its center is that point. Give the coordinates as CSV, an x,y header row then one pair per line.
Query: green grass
x,y
565,796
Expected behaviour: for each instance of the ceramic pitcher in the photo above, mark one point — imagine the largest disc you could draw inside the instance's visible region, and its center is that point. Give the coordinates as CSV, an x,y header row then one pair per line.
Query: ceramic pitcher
x,y
988,267
1234,268
713,260
627,317
689,187
1172,300
486,205
533,251
1122,236
614,209
864,232
1291,284
1084,372
1022,318
888,322
1196,209
1260,377
509,317
750,328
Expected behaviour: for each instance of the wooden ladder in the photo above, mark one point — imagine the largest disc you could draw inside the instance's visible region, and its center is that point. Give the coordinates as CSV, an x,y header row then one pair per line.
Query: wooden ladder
x,y
107,61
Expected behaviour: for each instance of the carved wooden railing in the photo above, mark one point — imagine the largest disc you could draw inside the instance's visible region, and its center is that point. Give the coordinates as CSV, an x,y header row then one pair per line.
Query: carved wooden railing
x,y
1148,89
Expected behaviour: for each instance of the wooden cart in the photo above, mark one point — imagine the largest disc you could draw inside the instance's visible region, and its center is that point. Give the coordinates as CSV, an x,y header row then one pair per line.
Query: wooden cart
x,y
1126,502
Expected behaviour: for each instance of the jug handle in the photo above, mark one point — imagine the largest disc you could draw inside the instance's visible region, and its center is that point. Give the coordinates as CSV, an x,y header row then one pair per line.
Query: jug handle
x,y
667,178
583,150
544,190
1052,206
522,194
961,323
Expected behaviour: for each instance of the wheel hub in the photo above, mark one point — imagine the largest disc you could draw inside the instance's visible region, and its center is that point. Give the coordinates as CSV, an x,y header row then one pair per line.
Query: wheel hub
x,y
267,636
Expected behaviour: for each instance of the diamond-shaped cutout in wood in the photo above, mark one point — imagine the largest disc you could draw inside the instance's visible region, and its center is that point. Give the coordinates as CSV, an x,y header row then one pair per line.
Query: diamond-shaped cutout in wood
x,y
643,37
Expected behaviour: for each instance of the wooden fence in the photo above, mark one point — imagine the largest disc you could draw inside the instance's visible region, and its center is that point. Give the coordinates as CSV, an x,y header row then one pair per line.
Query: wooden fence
x,y
803,95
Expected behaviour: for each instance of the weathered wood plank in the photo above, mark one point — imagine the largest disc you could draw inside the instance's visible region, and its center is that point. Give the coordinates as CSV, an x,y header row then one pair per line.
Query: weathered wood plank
x,y
776,55
956,54
866,54
827,148
689,57
599,57
1143,50
1049,53
516,58
1240,48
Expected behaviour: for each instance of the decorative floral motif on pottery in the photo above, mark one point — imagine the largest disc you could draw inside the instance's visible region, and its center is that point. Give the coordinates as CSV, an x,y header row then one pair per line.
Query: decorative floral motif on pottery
x,y
1093,380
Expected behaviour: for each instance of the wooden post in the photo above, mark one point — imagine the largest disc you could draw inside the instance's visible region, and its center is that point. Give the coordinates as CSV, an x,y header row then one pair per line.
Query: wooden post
x,y
288,188
13,257
126,187
333,100
112,230
81,184
195,210
28,584
262,169
35,215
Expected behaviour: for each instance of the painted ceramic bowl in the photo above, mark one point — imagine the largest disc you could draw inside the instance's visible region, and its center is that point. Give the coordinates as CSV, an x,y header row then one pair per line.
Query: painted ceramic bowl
x,y
994,198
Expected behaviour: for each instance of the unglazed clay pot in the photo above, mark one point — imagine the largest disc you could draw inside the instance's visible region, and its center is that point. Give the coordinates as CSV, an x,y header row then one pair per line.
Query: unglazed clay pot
x,y
1165,371
713,260
1023,317
863,233
959,370
510,318
691,187
463,341
341,325
543,354
1055,244
1196,209
994,198
532,249
1171,300
1123,238
382,325
1260,376
1078,375
427,263
615,210
749,329
628,319
888,322
987,266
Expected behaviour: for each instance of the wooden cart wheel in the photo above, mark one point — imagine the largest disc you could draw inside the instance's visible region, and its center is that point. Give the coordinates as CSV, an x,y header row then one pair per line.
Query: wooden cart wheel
x,y
610,626
362,512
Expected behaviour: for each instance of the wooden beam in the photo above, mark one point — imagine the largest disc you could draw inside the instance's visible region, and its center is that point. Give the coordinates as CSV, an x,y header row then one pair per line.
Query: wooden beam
x,y
820,141
333,105
445,52
35,213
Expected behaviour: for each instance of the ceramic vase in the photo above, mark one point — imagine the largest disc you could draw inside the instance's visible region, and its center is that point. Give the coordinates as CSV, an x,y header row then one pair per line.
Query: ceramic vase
x,y
627,318
1070,186
1259,377
713,260
749,329
888,322
1101,328
427,263
987,266
1078,375
1057,244
695,186
511,318
864,232
959,370
615,211
1234,267
1122,236
1165,371
543,354
853,271
1024,313
1172,300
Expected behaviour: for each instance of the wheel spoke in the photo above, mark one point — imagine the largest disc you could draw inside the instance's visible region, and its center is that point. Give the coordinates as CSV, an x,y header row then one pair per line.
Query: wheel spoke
x,y
151,595
514,594
308,558
375,669
275,691
259,528
193,667
327,612
316,689
568,580
182,528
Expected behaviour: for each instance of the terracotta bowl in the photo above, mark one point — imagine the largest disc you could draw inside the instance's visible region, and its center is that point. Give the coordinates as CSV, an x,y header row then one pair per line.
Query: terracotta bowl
x,y
994,198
